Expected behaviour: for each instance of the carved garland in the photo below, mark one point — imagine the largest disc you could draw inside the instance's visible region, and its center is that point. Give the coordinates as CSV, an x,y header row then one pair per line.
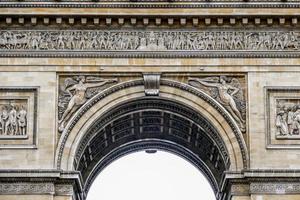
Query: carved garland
x,y
170,83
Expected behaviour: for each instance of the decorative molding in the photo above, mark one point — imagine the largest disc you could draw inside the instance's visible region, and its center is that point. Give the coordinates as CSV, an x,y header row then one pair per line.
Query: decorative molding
x,y
64,189
40,182
151,84
26,188
149,4
162,43
275,188
239,189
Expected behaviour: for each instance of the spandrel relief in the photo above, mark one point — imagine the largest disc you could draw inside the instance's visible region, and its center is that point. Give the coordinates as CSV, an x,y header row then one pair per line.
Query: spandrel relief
x,y
75,91
228,91
287,121
13,118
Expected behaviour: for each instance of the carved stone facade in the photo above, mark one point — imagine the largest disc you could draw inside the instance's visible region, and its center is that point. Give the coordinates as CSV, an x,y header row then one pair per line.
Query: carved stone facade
x,y
18,107
282,115
84,83
228,91
75,91
132,40
13,118
287,119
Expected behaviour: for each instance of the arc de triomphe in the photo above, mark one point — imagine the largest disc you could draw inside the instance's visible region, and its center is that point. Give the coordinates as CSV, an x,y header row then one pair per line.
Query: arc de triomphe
x,y
83,83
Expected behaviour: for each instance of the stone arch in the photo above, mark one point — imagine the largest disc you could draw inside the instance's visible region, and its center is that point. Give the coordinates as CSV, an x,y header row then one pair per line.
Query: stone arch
x,y
190,103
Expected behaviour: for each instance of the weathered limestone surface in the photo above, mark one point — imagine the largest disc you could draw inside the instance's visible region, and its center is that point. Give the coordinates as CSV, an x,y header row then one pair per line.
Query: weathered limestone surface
x,y
78,105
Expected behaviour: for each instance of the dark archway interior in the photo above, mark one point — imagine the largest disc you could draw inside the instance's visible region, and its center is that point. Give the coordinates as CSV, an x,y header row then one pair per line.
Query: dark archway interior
x,y
152,123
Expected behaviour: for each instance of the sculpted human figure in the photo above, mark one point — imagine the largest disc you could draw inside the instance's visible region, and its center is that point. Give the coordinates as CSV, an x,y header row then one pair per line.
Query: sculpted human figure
x,y
280,123
11,123
296,121
225,95
78,95
35,40
21,116
2,123
4,119
60,41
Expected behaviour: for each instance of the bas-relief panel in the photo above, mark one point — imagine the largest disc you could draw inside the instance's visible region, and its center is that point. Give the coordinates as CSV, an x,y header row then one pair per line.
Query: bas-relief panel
x,y
18,117
163,40
287,120
13,118
283,117
229,91
75,90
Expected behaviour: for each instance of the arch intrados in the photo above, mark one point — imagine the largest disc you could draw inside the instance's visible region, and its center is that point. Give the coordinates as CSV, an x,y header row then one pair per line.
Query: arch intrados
x,y
160,145
114,114
215,178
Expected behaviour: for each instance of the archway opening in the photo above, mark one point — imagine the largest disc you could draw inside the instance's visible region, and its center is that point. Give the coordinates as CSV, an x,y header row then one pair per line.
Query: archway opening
x,y
159,175
152,123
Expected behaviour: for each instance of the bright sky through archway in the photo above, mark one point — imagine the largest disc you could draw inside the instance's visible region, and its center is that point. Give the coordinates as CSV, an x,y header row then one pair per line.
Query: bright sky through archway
x,y
143,176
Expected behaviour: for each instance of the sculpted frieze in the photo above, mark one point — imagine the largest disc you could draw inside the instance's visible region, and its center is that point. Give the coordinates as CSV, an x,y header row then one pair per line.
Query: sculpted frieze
x,y
163,40
228,91
75,91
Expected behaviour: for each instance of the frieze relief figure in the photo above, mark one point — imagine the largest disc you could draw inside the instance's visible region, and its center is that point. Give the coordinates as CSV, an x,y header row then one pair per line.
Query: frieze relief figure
x,y
287,121
13,120
226,90
75,91
94,40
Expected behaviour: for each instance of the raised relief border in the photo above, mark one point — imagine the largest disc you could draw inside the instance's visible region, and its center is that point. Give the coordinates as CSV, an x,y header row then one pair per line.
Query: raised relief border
x,y
18,110
283,117
119,43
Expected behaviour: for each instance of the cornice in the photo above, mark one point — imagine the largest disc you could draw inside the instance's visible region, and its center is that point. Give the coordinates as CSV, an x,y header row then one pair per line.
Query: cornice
x,y
149,4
